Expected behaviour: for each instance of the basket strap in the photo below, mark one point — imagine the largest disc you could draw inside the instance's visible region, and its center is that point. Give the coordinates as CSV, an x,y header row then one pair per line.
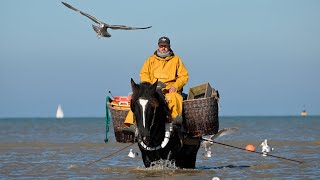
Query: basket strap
x,y
108,117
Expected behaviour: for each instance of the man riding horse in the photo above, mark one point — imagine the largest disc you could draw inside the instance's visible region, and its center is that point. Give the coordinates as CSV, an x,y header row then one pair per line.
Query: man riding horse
x,y
168,69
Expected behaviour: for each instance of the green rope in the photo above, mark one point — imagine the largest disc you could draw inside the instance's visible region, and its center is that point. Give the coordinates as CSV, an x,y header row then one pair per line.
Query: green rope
x,y
108,117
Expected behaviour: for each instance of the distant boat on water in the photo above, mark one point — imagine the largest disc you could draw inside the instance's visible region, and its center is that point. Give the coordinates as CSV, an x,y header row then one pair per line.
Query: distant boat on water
x,y
304,113
59,114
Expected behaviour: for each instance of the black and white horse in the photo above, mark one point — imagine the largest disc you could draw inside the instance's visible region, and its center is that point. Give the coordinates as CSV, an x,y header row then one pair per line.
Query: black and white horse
x,y
157,138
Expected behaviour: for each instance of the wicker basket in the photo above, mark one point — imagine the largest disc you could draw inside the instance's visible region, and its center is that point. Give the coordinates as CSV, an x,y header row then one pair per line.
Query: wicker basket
x,y
118,116
202,115
201,118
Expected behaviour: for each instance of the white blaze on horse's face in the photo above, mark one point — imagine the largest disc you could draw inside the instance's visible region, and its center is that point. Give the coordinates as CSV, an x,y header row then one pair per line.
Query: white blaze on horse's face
x,y
143,103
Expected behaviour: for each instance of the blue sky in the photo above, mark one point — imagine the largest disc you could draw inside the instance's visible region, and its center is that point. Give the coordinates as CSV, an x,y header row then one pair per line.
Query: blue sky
x,y
262,56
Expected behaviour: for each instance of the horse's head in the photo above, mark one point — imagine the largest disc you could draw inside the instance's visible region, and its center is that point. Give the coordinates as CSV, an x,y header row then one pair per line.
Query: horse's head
x,y
150,111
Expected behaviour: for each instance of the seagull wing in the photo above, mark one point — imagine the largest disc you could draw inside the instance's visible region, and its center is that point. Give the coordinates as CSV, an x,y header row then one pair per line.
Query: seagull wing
x,y
208,139
224,131
85,14
123,27
206,144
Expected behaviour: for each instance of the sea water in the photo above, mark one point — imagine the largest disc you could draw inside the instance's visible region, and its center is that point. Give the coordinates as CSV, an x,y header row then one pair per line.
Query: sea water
x,y
49,148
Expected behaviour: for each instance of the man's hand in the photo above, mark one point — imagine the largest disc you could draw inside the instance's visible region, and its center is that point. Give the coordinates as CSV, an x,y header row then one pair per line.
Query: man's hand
x,y
172,89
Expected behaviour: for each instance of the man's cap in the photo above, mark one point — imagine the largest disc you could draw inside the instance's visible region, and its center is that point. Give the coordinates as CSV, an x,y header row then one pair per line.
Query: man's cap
x,y
164,40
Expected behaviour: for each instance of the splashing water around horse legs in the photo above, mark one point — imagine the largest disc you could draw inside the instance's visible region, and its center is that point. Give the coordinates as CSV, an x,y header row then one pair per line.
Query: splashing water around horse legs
x,y
163,164
157,138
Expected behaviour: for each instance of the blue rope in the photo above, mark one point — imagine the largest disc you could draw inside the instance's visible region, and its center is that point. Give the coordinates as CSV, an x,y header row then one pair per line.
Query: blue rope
x,y
108,117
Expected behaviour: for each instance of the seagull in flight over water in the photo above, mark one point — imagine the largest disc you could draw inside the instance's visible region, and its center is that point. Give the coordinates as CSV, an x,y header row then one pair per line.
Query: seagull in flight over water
x,y
101,30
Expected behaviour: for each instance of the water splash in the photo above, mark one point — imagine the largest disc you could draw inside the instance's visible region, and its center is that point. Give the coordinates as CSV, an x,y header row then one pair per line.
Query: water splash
x,y
163,164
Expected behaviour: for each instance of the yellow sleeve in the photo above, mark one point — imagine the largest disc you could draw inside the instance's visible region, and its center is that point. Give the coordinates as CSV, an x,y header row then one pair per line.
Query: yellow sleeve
x,y
182,75
145,74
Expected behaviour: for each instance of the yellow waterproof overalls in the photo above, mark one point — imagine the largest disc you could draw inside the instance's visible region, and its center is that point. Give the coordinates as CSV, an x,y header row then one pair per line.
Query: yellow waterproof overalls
x,y
172,72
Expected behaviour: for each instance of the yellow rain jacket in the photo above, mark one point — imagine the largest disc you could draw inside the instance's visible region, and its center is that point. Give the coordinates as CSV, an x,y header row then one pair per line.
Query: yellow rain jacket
x,y
172,72
169,70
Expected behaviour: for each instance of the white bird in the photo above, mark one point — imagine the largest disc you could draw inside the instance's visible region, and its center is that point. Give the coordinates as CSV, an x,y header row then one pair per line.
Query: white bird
x,y
102,29
265,148
208,153
207,140
132,154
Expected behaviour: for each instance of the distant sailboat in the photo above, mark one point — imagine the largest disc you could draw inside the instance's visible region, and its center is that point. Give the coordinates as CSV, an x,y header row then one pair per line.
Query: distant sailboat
x,y
59,114
304,113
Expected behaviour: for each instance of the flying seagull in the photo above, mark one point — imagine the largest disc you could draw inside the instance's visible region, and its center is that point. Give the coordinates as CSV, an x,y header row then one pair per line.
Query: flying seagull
x,y
101,30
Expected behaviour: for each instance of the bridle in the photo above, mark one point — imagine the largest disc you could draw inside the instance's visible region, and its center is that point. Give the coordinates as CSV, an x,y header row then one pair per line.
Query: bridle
x,y
167,134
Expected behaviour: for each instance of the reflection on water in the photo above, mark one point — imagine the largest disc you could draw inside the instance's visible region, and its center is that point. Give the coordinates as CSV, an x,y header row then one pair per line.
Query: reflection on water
x,y
47,148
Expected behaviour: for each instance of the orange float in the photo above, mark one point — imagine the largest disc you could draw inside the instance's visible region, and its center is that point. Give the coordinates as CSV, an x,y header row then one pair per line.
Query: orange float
x,y
250,147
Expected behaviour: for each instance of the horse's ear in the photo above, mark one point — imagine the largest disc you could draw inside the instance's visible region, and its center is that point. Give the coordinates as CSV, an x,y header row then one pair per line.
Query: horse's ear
x,y
134,86
154,86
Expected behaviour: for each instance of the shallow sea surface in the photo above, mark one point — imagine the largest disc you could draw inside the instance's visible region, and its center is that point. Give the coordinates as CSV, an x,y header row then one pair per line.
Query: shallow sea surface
x,y
47,148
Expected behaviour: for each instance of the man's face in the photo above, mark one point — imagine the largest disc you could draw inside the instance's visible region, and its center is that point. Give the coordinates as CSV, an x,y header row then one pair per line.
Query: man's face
x,y
163,48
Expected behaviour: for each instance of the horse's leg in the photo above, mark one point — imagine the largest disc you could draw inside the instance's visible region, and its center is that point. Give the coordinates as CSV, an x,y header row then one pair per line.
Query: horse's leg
x,y
149,156
187,155
145,159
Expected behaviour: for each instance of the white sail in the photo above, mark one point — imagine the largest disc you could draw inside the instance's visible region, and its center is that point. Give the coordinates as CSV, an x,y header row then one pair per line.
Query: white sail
x,y
59,113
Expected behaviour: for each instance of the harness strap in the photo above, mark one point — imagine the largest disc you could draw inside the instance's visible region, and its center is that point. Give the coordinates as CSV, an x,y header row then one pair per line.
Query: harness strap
x,y
167,134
